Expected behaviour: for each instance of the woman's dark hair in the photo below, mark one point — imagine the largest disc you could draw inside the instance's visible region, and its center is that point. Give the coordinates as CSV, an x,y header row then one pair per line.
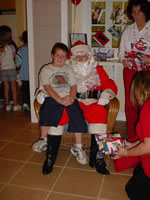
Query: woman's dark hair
x,y
61,46
144,7
25,37
3,42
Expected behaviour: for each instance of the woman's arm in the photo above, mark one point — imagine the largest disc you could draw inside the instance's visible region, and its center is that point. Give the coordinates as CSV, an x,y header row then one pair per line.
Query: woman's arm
x,y
142,149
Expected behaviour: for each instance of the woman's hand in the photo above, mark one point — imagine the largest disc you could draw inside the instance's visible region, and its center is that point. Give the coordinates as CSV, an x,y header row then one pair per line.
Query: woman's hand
x,y
129,145
125,63
146,59
120,153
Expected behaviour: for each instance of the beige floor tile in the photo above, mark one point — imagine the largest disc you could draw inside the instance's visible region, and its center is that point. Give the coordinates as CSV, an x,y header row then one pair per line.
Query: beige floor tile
x,y
27,136
19,193
8,169
23,123
16,151
2,144
61,196
69,180
38,157
114,187
1,186
7,133
31,176
33,127
79,182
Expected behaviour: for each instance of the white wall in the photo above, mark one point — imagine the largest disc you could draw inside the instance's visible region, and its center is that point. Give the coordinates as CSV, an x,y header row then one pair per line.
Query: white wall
x,y
9,20
47,24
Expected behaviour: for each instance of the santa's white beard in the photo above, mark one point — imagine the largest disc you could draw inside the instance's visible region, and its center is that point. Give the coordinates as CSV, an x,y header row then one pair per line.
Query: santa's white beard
x,y
86,74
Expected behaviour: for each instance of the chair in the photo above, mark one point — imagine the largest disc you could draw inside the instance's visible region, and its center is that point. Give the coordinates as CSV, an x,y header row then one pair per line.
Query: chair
x,y
68,139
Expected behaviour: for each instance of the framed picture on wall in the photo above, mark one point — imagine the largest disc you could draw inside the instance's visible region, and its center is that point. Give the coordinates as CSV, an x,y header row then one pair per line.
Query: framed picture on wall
x,y
74,37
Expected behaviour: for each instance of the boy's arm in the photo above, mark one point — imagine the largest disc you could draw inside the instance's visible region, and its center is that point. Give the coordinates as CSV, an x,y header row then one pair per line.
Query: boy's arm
x,y
53,94
73,92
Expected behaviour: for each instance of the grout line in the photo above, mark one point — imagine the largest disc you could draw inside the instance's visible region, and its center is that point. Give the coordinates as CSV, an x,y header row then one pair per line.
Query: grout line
x,y
75,195
15,142
58,176
17,172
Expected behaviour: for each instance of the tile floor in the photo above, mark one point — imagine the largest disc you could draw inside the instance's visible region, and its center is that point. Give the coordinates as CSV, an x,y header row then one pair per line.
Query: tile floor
x,y
20,168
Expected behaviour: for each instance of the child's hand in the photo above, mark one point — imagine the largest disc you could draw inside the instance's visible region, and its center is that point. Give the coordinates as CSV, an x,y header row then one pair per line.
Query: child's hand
x,y
68,100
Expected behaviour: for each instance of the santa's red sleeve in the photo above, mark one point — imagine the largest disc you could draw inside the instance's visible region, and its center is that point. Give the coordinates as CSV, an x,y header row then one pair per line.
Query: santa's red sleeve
x,y
105,81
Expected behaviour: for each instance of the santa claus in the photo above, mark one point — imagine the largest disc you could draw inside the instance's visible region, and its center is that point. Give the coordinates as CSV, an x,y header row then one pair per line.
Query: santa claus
x,y
92,81
95,90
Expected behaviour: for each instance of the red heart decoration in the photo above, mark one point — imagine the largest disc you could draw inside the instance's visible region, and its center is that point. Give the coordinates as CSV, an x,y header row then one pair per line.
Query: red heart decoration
x,y
76,2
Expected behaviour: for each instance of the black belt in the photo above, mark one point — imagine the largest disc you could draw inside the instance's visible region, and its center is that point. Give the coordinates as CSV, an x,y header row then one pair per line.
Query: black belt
x,y
89,94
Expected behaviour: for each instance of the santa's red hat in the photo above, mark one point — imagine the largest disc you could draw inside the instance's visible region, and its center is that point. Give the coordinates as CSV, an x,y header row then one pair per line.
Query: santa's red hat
x,y
79,46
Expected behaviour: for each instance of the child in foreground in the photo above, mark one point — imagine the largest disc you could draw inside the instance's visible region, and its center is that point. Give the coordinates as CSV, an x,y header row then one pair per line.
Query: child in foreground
x,y
58,82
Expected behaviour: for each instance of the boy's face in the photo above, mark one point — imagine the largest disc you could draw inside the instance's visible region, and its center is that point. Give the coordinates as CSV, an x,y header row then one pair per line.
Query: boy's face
x,y
59,58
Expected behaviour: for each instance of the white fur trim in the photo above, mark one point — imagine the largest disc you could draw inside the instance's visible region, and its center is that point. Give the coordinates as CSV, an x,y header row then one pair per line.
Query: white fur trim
x,y
97,128
80,48
56,130
108,93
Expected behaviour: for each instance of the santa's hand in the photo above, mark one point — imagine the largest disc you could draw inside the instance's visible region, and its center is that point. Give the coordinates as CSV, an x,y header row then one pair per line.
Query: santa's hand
x,y
103,102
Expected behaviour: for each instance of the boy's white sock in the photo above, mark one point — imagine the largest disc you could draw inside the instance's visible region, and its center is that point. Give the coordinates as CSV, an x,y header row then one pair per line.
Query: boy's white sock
x,y
79,146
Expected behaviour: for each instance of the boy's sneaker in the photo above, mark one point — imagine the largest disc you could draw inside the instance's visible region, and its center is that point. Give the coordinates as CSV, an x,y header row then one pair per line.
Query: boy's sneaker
x,y
26,107
40,145
16,108
11,102
8,107
80,154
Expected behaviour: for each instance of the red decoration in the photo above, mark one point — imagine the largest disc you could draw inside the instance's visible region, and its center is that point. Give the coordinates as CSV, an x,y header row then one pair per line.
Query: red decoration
x,y
101,38
76,2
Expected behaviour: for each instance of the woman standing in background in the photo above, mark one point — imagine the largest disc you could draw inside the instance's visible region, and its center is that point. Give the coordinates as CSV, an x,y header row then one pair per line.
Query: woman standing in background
x,y
134,53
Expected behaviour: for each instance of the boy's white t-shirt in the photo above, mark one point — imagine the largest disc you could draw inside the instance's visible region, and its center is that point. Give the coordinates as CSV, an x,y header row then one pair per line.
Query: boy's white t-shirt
x,y
7,59
60,79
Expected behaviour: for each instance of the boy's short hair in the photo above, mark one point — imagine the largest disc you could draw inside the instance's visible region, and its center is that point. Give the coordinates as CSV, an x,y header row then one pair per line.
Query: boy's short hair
x,y
59,45
25,37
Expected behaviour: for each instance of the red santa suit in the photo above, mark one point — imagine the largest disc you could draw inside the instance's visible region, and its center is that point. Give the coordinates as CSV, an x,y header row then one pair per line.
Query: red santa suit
x,y
91,77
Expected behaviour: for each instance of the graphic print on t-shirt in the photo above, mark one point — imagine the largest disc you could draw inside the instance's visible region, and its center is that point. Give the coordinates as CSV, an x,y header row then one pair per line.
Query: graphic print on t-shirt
x,y
59,80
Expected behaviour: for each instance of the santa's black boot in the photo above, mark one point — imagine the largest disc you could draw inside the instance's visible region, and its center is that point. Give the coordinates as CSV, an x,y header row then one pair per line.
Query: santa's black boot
x,y
100,164
93,151
51,154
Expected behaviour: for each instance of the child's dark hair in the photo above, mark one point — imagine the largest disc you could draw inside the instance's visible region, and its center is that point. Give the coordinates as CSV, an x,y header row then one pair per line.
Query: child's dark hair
x,y
25,37
5,28
2,40
59,45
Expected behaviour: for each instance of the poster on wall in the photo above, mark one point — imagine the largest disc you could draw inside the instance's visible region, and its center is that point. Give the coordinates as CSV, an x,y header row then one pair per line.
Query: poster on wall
x,y
98,12
115,32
